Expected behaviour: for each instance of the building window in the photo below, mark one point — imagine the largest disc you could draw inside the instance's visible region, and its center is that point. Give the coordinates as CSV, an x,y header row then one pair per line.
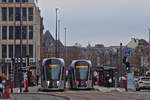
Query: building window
x,y
24,49
4,32
17,14
17,32
24,14
11,32
4,14
10,51
31,51
10,1
4,51
24,32
30,32
11,11
30,14
17,51
4,0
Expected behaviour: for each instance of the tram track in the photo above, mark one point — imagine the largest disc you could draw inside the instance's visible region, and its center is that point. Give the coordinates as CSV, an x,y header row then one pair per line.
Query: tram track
x,y
86,95
101,96
37,96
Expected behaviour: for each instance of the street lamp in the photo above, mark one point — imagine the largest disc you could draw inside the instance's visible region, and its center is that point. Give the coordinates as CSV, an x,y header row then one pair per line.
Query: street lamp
x,y
58,38
65,44
56,33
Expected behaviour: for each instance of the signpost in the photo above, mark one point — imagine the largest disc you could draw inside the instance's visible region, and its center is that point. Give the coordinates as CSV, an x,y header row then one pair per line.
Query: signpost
x,y
130,81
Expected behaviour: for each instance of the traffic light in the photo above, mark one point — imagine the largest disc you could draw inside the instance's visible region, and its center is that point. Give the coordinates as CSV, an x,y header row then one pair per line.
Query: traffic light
x,y
127,64
124,59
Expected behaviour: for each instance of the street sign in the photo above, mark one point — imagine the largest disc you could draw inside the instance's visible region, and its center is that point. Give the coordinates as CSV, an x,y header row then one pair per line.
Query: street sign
x,y
128,52
130,81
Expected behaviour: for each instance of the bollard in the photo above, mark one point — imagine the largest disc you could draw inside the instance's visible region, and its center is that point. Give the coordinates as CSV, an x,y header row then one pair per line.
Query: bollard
x,y
11,85
7,93
125,81
26,85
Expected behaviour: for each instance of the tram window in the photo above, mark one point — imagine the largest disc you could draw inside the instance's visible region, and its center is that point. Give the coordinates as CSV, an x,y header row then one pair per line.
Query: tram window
x,y
53,70
82,72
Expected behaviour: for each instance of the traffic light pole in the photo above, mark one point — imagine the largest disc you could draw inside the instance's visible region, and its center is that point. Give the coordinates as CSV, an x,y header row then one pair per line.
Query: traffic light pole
x,y
12,75
20,69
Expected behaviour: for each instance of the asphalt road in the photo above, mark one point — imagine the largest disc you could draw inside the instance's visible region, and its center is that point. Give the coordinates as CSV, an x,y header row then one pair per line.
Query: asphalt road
x,y
96,95
36,97
83,95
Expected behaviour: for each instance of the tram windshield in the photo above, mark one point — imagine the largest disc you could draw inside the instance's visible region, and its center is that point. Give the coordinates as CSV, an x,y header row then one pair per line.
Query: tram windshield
x,y
53,69
82,70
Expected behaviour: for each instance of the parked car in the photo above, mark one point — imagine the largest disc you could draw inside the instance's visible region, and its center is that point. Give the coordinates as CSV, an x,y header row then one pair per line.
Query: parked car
x,y
143,83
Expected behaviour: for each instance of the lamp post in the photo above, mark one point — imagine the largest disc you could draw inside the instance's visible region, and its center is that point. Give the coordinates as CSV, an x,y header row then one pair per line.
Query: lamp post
x,y
149,47
56,34
65,44
58,38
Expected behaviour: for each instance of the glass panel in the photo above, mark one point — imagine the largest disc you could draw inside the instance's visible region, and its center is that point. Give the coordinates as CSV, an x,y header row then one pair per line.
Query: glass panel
x,y
24,14
11,14
11,32
17,51
53,69
30,14
24,51
31,51
4,14
146,79
4,51
24,32
10,51
30,32
4,32
82,70
17,32
17,14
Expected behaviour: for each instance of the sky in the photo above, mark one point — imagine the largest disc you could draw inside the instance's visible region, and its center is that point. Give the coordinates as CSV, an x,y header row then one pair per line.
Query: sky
x,y
107,22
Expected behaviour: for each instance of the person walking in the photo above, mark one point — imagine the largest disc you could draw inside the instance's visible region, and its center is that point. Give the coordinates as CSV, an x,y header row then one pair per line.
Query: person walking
x,y
1,87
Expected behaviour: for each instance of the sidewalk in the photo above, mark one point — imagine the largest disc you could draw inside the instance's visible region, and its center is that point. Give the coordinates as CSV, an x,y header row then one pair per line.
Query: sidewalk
x,y
33,89
111,89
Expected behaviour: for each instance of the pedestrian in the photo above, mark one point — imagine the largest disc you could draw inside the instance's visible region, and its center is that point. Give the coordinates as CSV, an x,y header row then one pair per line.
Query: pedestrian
x,y
1,87
37,79
107,80
110,81
95,78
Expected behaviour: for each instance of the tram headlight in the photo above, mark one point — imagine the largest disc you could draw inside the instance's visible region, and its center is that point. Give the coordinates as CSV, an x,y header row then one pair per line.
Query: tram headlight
x,y
48,82
57,83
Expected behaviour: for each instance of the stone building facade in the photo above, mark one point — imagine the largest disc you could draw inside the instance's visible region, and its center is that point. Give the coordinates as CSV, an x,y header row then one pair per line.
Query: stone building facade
x,y
20,33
